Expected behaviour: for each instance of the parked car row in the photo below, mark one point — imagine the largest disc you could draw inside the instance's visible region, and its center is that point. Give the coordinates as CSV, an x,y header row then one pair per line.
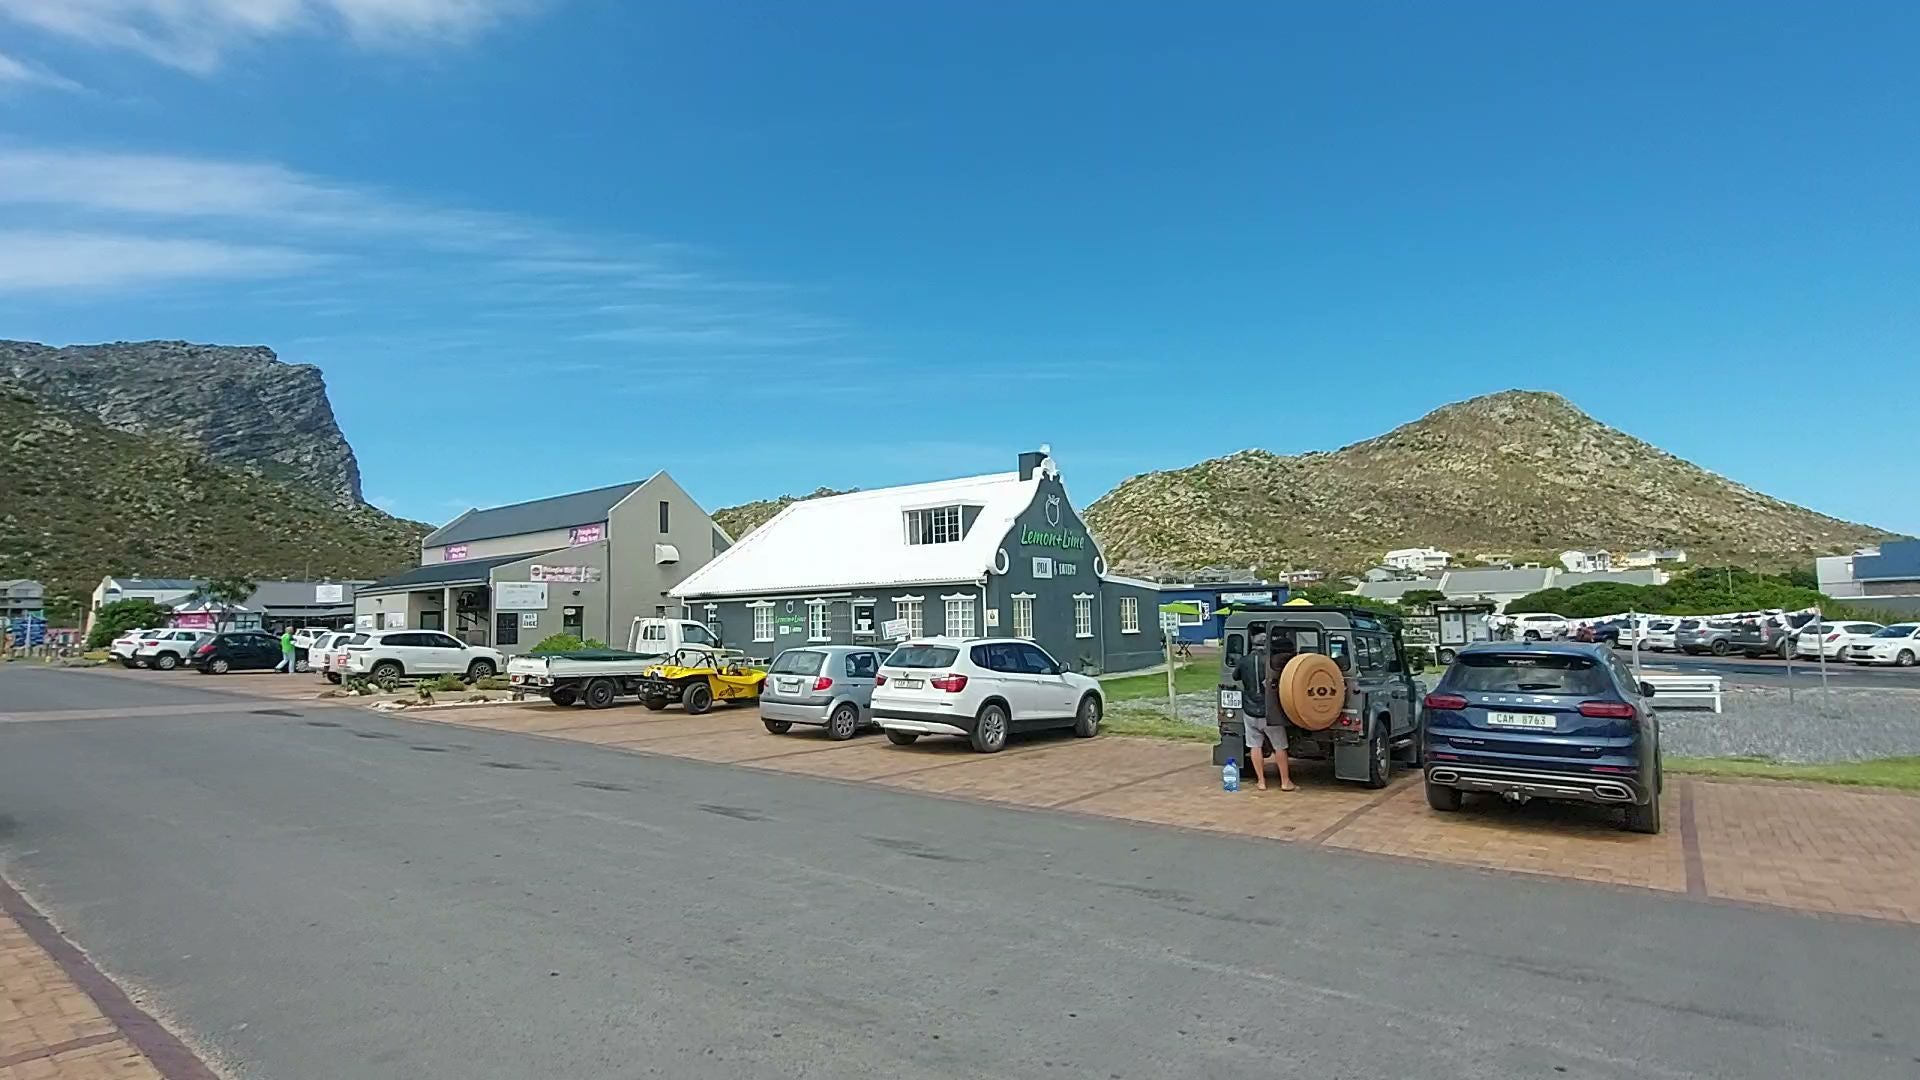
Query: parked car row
x,y
334,653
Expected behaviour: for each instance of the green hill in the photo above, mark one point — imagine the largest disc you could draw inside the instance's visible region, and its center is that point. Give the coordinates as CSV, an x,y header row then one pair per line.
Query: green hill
x,y
79,500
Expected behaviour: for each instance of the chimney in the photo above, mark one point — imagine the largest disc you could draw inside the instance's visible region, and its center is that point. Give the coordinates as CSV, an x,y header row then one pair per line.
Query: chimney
x,y
1030,463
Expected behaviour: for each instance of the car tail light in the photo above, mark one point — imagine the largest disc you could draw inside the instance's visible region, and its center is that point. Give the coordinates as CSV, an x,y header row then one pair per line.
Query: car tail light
x,y
1446,701
206,649
1607,710
952,684
1835,636
822,683
149,644
1349,720
1611,769
879,680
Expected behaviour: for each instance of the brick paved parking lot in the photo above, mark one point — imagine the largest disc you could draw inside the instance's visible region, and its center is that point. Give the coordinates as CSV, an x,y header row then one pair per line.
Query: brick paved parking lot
x,y
1811,848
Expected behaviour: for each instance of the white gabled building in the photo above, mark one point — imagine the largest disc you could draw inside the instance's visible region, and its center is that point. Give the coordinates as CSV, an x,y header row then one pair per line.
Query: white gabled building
x,y
1418,560
998,555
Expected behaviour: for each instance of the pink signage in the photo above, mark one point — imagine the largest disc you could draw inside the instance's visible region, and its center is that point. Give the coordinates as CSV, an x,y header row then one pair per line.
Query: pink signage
x,y
586,534
194,620
455,552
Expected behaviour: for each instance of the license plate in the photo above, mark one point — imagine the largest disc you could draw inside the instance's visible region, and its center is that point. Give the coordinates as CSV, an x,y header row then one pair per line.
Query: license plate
x,y
908,684
1537,721
1229,699
789,684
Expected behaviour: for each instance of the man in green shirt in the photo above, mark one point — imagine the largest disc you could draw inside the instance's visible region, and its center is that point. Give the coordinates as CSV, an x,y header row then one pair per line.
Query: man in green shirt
x,y
286,652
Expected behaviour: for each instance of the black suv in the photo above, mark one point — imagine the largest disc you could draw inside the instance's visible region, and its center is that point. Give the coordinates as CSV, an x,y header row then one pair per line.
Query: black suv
x,y
238,650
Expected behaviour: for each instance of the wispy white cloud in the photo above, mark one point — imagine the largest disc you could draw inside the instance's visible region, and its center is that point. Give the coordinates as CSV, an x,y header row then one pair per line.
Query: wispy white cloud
x,y
37,260
193,35
14,72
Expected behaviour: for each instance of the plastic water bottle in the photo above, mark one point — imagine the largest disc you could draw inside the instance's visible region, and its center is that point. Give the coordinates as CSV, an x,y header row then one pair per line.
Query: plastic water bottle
x,y
1230,776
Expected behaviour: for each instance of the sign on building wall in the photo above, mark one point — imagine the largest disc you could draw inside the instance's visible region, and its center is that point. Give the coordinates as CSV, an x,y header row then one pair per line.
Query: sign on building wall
x,y
363,622
563,573
529,620
520,596
454,552
329,594
586,534
893,629
1043,567
393,620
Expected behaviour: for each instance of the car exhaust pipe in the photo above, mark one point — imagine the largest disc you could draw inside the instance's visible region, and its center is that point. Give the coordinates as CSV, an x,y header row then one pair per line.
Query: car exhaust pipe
x,y
1612,793
1443,776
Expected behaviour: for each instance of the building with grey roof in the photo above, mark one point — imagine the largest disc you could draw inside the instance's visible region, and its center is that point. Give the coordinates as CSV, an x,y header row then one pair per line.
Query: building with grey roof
x,y
587,563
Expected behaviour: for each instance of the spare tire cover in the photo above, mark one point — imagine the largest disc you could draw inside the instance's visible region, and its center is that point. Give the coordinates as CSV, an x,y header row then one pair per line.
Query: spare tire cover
x,y
1313,690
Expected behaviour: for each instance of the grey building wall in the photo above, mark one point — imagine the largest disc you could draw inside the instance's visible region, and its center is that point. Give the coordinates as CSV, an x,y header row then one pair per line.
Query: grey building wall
x,y
1144,648
735,615
638,583
590,596
1034,536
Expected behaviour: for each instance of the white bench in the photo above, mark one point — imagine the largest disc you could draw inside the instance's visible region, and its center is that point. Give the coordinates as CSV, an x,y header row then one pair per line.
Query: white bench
x,y
1697,687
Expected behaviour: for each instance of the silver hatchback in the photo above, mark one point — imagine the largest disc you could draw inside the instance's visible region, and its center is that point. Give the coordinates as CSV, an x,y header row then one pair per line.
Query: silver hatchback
x,y
828,686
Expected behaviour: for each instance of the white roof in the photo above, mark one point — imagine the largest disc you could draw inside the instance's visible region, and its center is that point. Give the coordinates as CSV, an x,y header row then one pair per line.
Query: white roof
x,y
858,540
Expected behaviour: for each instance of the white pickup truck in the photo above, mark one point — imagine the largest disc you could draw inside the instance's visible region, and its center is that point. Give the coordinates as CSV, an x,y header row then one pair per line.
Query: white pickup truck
x,y
597,676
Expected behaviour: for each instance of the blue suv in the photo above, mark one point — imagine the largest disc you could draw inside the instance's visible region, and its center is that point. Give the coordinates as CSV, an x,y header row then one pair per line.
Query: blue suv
x,y
1544,720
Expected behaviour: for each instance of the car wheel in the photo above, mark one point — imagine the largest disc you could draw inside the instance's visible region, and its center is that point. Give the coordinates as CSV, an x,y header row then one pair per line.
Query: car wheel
x,y
1445,656
698,698
844,722
990,729
220,666
600,693
781,727
1379,756
1086,723
902,738
1443,798
166,661
654,702
300,667
1905,659
1646,818
479,669
333,677
386,671
128,663
1719,648
1531,635
563,697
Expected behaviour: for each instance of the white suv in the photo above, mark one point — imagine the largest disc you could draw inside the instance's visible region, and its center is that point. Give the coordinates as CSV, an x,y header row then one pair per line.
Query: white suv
x,y
121,648
321,654
394,653
1539,626
983,689
166,649
1833,638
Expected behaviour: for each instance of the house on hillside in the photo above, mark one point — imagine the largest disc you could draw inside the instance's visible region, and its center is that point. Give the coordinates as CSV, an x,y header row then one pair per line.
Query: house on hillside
x,y
1418,560
587,563
1001,554
21,598
1640,560
1565,580
1586,562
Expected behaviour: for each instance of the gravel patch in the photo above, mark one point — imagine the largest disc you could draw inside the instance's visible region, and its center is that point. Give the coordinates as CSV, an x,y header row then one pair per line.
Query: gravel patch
x,y
1759,721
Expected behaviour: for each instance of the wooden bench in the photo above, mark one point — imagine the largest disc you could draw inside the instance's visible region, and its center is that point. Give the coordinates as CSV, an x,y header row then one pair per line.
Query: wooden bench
x,y
1695,687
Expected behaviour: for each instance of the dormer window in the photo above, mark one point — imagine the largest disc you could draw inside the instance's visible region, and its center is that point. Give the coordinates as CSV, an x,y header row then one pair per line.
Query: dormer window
x,y
934,525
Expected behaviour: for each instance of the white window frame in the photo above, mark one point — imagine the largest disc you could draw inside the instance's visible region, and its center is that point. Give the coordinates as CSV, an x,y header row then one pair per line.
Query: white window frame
x,y
819,621
1129,614
952,627
934,525
1023,616
1083,615
762,614
912,609
1206,612
873,616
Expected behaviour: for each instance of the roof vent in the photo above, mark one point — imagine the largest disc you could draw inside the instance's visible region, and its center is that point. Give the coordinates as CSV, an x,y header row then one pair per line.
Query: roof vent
x,y
1030,462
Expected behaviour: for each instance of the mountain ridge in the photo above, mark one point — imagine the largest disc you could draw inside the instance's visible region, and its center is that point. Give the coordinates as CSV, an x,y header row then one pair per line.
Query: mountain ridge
x,y
1518,471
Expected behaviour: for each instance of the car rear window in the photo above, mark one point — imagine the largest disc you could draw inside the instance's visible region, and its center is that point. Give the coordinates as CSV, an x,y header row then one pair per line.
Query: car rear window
x,y
798,662
923,656
1527,673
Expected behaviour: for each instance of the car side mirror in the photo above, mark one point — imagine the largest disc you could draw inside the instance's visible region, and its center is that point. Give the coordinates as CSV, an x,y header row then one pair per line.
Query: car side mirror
x,y
1646,689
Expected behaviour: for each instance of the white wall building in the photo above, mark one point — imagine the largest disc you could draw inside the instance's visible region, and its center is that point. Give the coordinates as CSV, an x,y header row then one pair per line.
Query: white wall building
x,y
1586,562
1418,560
1640,560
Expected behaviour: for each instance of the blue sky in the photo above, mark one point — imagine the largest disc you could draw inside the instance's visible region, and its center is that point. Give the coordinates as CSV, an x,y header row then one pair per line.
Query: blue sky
x,y
539,246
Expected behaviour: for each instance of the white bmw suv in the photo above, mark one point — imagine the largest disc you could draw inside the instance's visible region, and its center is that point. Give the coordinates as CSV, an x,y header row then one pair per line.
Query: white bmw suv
x,y
983,689
391,654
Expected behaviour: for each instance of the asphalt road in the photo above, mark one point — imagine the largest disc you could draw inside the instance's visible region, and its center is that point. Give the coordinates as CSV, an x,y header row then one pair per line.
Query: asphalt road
x,y
339,893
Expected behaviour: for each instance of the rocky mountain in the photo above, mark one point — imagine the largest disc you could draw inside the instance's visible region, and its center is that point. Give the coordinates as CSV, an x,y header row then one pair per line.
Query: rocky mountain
x,y
80,499
1518,472
743,519
241,406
